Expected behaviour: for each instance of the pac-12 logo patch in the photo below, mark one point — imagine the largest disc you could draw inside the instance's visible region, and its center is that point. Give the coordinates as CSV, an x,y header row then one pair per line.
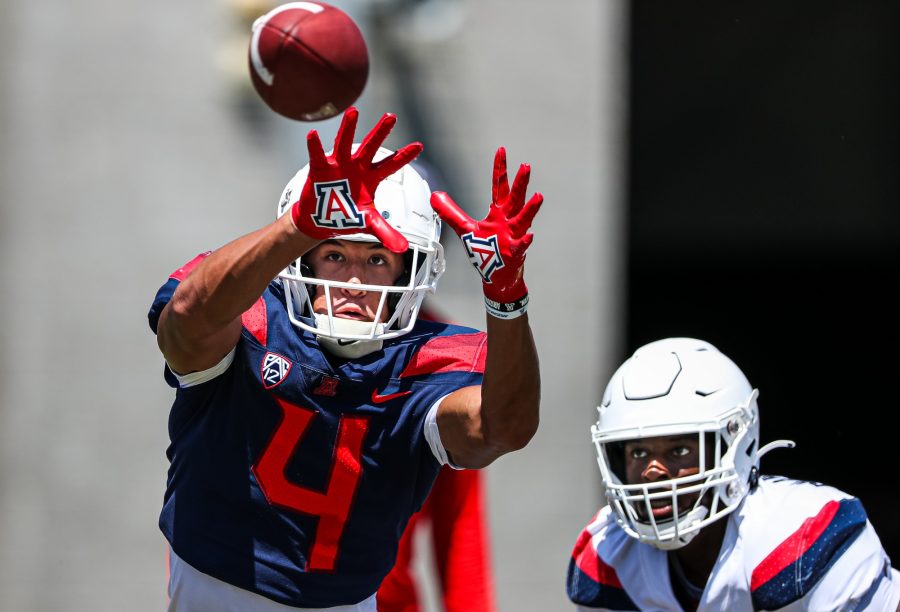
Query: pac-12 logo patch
x,y
335,207
274,370
484,254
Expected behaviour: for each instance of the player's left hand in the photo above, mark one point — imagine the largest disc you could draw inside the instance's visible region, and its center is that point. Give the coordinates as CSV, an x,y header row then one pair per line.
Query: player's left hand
x,y
496,245
338,197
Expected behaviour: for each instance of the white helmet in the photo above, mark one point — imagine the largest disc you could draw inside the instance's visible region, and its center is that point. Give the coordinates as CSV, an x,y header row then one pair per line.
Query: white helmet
x,y
678,386
403,199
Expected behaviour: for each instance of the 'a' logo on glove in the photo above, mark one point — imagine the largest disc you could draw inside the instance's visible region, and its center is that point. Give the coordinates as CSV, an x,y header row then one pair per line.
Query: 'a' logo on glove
x,y
335,207
483,253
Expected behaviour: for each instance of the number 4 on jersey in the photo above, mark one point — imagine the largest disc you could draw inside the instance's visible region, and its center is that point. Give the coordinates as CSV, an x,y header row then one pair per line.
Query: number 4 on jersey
x,y
333,506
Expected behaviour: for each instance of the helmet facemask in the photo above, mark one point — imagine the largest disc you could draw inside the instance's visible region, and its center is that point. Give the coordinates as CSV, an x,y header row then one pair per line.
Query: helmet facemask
x,y
715,488
401,301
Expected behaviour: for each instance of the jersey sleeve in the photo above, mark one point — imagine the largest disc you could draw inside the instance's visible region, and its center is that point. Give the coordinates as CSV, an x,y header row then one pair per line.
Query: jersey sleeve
x,y
163,296
450,353
168,289
832,559
591,583
433,437
860,578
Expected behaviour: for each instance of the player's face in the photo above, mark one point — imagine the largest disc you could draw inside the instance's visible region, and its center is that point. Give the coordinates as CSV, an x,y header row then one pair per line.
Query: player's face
x,y
651,460
363,263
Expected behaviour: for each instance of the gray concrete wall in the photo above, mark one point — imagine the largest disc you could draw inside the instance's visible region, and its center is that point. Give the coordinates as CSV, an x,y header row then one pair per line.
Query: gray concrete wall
x,y
126,149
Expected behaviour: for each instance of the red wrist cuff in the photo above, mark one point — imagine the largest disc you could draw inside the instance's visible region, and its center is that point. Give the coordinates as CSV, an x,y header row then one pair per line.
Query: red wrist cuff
x,y
505,294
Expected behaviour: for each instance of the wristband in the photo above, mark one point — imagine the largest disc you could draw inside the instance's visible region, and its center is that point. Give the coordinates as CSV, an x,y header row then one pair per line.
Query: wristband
x,y
507,310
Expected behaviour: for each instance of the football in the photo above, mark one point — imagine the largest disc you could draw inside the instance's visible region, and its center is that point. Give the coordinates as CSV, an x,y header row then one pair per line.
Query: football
x,y
308,60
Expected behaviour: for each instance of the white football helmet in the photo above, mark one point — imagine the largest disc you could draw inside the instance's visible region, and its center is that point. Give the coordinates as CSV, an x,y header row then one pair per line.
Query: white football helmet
x,y
404,200
679,386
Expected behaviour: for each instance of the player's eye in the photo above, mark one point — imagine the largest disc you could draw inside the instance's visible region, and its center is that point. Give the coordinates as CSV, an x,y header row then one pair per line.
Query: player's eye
x,y
333,256
638,453
681,451
377,260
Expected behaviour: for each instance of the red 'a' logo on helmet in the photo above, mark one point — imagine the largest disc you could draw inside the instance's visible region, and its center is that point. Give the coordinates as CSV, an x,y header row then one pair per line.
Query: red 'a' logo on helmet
x,y
273,370
335,207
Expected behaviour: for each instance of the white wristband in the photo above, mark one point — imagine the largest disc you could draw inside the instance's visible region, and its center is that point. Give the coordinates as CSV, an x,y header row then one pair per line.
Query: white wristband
x,y
507,310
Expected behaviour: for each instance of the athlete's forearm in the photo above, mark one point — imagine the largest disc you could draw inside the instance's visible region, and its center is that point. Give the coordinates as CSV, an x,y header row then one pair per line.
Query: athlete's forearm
x,y
481,423
511,390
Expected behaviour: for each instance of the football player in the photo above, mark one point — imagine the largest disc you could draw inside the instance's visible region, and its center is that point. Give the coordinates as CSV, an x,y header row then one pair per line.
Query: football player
x,y
690,522
313,408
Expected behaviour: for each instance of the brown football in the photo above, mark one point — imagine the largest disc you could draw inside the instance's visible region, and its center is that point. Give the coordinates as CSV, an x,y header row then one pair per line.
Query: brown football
x,y
308,60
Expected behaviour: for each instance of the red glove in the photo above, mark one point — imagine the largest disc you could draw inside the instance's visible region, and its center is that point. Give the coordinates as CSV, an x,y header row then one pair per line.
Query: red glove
x,y
338,196
496,245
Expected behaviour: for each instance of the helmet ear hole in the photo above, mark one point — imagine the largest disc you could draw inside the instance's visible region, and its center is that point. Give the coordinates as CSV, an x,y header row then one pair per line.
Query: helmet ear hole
x,y
307,271
401,281
711,459
406,276
615,456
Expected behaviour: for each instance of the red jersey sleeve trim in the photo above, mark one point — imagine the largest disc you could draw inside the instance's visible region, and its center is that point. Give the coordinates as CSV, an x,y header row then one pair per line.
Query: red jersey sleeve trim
x,y
181,273
458,353
794,546
794,568
255,320
589,562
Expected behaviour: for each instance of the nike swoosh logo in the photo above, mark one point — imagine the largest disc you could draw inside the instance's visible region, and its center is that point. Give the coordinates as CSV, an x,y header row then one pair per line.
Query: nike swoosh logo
x,y
380,399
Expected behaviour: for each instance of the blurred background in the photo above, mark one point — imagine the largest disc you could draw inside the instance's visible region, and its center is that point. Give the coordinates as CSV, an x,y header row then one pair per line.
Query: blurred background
x,y
719,170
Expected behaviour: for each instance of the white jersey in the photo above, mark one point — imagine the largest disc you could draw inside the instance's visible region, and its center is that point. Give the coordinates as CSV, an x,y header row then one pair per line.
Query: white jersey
x,y
790,545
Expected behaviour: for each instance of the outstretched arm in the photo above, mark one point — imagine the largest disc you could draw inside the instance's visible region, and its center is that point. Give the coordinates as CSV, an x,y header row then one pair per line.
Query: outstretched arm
x,y
479,424
201,323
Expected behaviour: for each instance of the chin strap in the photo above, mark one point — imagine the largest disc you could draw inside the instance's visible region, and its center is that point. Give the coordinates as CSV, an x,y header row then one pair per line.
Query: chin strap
x,y
348,349
651,535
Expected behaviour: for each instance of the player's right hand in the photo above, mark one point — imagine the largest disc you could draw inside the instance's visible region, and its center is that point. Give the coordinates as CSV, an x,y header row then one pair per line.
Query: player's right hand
x,y
338,197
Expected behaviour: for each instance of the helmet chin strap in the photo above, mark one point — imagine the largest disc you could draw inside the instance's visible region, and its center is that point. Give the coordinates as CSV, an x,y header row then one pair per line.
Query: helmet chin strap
x,y
348,349
691,518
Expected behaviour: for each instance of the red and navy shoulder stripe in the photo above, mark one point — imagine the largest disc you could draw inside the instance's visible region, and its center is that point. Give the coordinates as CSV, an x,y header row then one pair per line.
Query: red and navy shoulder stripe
x,y
791,570
457,352
591,582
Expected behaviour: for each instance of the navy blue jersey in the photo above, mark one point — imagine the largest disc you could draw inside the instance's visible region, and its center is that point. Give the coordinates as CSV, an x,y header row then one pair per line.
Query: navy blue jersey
x,y
293,474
